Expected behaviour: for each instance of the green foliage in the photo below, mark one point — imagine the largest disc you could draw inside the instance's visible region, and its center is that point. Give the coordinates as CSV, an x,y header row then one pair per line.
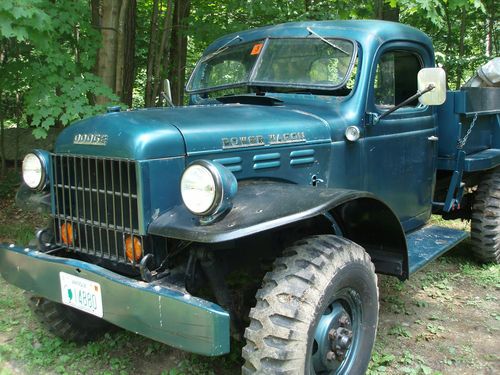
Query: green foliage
x,y
24,21
49,49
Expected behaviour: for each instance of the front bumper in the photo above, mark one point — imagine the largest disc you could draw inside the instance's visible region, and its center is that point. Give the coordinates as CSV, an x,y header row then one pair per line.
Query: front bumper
x,y
159,311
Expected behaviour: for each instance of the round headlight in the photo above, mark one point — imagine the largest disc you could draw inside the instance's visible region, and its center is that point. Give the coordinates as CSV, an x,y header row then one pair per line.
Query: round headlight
x,y
198,189
207,189
33,171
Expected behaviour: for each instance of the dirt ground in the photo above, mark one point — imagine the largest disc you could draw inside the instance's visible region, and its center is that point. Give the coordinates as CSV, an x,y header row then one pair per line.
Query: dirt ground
x,y
445,320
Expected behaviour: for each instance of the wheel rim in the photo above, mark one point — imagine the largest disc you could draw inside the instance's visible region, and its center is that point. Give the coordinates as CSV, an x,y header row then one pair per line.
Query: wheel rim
x,y
337,335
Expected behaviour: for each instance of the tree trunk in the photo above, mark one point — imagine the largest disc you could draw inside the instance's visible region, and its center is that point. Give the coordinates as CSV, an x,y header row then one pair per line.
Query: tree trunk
x,y
3,169
129,55
461,48
164,49
490,37
178,50
153,42
384,11
120,47
106,67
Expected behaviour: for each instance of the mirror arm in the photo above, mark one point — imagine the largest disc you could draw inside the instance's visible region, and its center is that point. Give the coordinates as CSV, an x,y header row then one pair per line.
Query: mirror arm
x,y
168,99
405,102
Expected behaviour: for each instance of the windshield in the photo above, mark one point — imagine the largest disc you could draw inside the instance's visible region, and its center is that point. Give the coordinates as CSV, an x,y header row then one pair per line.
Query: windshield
x,y
297,63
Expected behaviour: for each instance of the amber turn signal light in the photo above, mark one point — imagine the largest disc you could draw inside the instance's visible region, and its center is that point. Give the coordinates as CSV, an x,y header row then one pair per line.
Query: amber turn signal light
x,y
67,233
133,248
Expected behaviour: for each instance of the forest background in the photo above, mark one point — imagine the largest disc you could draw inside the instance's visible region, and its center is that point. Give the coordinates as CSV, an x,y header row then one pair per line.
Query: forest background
x,y
61,61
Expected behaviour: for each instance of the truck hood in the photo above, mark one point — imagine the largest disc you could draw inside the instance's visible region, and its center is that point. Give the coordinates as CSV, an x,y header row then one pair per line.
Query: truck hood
x,y
169,132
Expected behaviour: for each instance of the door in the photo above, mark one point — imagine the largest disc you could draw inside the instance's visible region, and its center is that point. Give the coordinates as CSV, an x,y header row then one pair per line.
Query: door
x,y
399,157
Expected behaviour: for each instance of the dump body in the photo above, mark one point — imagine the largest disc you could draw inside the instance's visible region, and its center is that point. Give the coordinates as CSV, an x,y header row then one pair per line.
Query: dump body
x,y
455,117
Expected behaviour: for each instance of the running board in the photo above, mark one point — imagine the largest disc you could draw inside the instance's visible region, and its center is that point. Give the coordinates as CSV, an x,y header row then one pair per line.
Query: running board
x,y
429,242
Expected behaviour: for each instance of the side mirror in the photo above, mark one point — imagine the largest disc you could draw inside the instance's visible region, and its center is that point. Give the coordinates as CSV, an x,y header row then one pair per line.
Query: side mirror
x,y
167,93
435,77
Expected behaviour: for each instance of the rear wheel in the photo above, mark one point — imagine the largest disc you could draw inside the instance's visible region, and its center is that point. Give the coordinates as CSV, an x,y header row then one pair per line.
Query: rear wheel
x,y
66,322
316,312
485,224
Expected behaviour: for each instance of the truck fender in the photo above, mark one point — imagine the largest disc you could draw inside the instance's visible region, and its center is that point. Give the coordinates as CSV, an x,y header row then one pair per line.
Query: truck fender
x,y
263,205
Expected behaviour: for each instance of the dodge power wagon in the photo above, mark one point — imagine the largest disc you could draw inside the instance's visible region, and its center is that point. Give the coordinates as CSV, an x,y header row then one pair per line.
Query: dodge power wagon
x,y
310,157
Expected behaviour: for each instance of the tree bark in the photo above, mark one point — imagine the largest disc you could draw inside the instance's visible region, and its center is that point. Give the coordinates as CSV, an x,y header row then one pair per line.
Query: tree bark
x,y
163,52
178,50
120,47
129,55
3,169
490,37
384,11
461,48
153,42
106,67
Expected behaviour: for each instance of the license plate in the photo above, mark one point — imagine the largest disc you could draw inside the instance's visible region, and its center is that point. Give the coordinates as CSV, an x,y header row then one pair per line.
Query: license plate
x,y
82,294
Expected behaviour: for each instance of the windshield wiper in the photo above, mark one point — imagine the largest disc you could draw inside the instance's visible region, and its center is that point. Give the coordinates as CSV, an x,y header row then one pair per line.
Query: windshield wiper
x,y
327,41
219,50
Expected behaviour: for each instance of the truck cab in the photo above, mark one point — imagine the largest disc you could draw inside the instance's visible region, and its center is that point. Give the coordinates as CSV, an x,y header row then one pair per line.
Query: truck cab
x,y
311,156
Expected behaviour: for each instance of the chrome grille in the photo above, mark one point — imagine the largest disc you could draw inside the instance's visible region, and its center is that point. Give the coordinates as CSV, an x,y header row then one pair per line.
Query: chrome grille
x,y
98,196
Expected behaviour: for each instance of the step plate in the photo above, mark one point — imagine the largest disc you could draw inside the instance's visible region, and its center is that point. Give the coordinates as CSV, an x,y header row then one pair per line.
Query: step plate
x,y
429,242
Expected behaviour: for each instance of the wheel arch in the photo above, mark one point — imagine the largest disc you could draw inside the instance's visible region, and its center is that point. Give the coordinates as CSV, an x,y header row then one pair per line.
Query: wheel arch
x,y
262,206
370,223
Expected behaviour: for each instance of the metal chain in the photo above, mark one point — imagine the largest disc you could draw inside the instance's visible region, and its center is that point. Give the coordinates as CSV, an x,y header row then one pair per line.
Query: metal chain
x,y
461,142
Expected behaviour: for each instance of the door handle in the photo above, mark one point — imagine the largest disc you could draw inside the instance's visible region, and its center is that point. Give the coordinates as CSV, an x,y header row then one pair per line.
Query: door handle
x,y
433,138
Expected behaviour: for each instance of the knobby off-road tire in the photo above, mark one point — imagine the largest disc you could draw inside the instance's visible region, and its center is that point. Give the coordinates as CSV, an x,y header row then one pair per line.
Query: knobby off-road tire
x,y
66,322
485,225
322,288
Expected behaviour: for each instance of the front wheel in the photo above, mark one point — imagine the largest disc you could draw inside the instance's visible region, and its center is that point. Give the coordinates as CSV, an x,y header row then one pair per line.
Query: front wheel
x,y
66,322
316,312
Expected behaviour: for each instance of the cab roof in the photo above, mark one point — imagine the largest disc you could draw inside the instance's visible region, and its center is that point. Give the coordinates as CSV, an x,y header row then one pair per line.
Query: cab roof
x,y
367,32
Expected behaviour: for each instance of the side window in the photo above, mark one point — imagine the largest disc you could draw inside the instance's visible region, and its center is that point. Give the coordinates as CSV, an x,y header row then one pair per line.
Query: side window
x,y
396,78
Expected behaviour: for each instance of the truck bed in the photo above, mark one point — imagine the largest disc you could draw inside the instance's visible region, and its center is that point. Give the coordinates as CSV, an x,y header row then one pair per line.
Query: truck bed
x,y
455,117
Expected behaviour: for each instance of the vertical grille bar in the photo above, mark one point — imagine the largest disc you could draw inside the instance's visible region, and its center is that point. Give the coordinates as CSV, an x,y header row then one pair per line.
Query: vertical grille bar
x,y
84,192
63,188
56,193
77,207
114,206
122,207
131,223
92,227
70,198
106,217
98,194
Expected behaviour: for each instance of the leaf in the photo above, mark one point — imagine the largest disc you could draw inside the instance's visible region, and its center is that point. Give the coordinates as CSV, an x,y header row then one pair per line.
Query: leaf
x,y
39,133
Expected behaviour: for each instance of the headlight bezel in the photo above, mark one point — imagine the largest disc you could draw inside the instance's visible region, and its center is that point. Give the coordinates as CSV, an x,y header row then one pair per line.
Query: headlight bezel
x,y
44,176
225,187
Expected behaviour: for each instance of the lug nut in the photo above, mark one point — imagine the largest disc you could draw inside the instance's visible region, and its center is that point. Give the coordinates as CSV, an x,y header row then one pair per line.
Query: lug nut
x,y
332,334
330,356
344,321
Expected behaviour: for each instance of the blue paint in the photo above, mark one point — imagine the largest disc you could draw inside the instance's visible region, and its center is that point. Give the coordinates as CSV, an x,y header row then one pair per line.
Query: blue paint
x,y
427,243
263,157
264,165
228,161
301,153
301,161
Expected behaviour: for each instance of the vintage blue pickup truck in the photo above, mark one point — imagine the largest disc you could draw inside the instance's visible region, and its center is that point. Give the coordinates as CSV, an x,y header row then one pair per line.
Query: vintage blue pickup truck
x,y
310,157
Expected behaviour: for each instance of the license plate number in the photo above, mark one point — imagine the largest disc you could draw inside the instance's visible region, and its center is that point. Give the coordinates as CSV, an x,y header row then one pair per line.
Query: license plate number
x,y
80,293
